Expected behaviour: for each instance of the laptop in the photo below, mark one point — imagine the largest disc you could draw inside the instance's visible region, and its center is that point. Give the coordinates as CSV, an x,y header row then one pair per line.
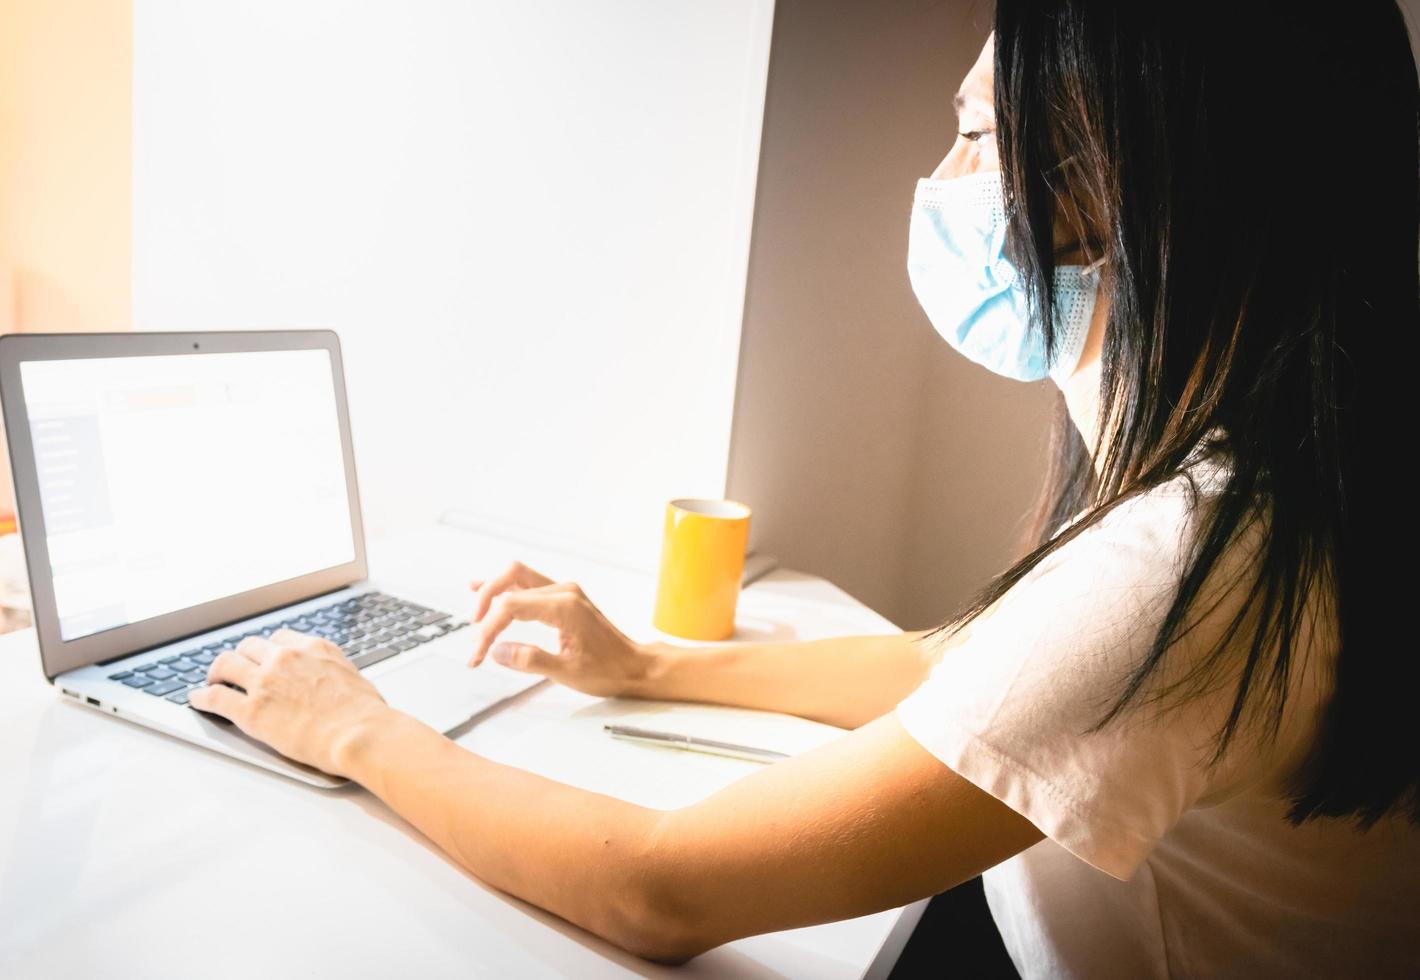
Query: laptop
x,y
179,491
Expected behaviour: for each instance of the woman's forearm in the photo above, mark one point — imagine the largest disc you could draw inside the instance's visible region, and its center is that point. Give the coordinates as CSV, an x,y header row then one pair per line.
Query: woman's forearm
x,y
844,681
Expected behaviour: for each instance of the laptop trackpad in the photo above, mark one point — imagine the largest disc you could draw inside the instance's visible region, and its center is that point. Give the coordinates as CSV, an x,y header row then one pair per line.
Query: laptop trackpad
x,y
437,691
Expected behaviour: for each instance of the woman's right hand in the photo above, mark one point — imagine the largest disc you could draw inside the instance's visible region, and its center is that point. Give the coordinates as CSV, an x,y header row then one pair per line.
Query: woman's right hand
x,y
593,656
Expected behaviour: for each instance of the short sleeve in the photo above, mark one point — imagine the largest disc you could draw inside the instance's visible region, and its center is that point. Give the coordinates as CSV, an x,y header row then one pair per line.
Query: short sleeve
x,y
1011,708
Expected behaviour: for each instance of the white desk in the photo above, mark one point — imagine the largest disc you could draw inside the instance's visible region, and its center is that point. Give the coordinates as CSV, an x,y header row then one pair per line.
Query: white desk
x,y
126,853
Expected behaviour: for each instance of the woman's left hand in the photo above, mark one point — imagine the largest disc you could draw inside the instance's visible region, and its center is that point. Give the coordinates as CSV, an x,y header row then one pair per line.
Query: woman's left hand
x,y
302,697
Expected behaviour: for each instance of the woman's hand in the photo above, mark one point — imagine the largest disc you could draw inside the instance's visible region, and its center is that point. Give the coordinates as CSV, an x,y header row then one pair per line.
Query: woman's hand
x,y
593,656
302,697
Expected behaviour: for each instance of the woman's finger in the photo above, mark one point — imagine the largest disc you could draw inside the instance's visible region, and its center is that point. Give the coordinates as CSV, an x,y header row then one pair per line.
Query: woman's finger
x,y
307,642
489,588
297,641
515,576
233,668
255,648
526,657
219,700
547,605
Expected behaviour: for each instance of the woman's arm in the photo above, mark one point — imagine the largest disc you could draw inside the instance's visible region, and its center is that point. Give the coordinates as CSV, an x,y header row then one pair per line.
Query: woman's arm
x,y
845,681
867,822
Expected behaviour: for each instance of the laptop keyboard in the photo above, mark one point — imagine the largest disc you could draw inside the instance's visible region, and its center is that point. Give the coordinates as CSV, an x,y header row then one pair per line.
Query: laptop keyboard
x,y
369,628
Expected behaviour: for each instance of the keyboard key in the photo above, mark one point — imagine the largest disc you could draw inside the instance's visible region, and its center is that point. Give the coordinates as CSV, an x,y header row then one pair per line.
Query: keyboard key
x,y
402,645
369,657
164,687
182,666
204,658
168,660
426,633
138,680
194,676
180,697
120,675
160,674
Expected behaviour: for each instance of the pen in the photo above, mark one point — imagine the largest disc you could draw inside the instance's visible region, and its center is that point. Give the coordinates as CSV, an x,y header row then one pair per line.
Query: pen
x,y
690,743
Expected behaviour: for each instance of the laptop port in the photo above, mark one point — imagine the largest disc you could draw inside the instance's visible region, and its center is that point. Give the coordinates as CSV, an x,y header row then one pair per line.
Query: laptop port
x,y
93,701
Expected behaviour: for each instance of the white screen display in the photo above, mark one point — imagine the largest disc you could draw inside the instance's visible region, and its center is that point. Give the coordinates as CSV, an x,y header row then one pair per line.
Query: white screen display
x,y
169,481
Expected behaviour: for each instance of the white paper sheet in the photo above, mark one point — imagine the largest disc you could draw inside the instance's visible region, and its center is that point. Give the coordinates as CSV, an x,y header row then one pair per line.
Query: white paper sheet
x,y
576,750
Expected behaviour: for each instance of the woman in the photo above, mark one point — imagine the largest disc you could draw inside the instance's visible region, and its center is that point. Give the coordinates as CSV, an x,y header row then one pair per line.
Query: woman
x,y
1176,729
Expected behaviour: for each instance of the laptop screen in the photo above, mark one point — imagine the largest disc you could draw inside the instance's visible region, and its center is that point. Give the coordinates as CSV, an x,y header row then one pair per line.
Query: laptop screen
x,y
173,480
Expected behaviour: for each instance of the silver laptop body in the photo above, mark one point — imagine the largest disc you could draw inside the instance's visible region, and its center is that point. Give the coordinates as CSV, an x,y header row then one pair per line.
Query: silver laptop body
x,y
177,491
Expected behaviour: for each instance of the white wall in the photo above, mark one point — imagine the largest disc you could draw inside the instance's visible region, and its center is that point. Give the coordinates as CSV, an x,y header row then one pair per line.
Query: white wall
x,y
528,221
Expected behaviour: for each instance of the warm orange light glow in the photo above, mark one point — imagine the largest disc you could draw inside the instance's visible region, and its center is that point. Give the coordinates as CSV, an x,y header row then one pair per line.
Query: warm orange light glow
x,y
66,171
66,108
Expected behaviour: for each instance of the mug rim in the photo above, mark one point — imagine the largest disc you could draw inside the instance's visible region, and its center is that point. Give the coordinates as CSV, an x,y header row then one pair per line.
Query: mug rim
x,y
715,508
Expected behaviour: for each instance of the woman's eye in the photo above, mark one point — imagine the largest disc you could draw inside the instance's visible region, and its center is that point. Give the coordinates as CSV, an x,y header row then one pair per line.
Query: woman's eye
x,y
971,136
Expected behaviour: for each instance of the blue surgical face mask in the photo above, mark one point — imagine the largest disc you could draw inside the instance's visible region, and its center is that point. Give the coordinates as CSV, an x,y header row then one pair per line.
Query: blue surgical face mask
x,y
972,294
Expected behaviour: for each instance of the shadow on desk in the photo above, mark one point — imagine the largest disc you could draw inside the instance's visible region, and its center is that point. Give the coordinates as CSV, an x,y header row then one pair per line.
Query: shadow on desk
x,y
955,937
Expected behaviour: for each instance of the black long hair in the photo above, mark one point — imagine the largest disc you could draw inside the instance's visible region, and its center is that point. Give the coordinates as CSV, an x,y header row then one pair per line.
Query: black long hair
x,y
1249,173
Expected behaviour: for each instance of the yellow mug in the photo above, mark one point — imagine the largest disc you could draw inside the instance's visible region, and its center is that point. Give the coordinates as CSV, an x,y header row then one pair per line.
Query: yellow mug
x,y
702,562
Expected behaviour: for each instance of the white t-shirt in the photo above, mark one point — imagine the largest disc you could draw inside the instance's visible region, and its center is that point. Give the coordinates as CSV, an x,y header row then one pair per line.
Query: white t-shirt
x,y
1153,863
